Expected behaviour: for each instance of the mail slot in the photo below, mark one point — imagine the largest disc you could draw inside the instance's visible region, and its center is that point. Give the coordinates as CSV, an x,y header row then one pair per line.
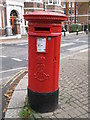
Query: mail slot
x,y
44,38
42,29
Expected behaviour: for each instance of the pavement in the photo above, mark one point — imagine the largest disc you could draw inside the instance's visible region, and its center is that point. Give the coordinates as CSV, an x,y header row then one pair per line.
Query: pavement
x,y
18,37
10,37
13,39
73,93
74,33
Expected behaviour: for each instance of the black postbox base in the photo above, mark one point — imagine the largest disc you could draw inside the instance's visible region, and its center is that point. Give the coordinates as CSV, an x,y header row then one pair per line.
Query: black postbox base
x,y
43,102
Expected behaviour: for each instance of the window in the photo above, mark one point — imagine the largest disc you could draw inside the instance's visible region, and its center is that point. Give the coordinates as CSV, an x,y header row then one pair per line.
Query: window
x,y
89,12
39,0
72,4
50,1
77,12
69,12
69,19
76,4
76,18
57,2
64,11
64,5
89,18
69,4
73,19
72,11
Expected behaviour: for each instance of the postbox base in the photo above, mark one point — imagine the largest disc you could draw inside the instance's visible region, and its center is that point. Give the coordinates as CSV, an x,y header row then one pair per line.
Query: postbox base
x,y
43,102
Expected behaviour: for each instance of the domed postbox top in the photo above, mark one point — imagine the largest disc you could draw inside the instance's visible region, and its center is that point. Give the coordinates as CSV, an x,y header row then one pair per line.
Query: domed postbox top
x,y
44,16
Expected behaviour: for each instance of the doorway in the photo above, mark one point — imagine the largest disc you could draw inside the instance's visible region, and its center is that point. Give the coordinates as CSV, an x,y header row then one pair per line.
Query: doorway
x,y
13,21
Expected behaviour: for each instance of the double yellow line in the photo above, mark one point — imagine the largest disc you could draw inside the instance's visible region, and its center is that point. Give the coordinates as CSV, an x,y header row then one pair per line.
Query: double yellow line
x,y
18,74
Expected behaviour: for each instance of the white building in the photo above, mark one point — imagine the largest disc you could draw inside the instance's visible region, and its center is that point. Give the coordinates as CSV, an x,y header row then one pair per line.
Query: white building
x,y
14,11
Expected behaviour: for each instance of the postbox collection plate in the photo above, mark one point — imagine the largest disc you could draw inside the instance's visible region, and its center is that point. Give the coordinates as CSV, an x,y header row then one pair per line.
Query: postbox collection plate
x,y
41,44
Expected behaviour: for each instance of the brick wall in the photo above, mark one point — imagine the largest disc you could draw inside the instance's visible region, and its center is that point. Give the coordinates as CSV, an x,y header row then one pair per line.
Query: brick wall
x,y
32,6
83,9
54,8
36,6
83,19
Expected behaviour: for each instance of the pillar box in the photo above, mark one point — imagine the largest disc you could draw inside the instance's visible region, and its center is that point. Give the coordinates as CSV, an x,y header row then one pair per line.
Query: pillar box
x,y
44,38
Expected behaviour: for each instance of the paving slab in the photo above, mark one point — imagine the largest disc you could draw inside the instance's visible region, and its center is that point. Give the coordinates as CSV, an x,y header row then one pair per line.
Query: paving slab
x,y
23,84
73,93
21,92
0,102
13,113
17,99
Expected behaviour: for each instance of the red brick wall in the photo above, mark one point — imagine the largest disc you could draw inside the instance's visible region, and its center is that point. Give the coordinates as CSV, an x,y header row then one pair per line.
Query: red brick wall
x,y
32,5
83,9
54,8
83,19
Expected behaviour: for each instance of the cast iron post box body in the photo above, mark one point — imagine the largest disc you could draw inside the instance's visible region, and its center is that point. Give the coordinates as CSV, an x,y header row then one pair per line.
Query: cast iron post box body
x,y
44,37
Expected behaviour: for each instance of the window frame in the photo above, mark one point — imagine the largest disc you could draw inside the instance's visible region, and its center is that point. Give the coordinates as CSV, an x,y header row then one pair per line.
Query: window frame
x,y
50,3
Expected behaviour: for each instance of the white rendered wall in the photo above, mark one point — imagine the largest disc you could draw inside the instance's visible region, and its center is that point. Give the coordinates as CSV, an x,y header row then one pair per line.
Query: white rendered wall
x,y
18,6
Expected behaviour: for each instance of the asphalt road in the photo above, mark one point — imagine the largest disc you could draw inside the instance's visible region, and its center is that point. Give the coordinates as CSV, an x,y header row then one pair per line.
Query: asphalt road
x,y
14,56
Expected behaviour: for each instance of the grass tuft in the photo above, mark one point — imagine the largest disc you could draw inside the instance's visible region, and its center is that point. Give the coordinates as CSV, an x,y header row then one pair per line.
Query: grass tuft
x,y
26,112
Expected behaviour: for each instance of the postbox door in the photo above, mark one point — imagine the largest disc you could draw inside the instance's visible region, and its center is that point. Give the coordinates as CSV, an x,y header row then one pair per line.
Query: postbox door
x,y
43,64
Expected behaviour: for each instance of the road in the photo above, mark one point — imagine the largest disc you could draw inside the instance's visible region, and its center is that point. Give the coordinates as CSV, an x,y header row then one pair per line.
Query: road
x,y
74,43
14,56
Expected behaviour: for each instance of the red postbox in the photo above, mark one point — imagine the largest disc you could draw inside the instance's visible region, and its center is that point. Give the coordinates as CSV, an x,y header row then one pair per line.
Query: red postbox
x,y
44,37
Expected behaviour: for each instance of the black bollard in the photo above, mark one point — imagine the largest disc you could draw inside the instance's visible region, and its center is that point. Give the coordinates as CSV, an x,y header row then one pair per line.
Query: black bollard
x,y
77,32
64,32
87,31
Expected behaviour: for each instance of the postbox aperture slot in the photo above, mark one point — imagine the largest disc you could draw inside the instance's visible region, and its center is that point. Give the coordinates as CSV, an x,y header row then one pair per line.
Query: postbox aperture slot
x,y
41,44
42,29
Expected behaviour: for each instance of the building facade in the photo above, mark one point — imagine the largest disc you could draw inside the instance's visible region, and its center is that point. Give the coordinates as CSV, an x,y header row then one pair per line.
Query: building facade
x,y
69,10
13,14
2,18
83,14
77,12
40,5
12,20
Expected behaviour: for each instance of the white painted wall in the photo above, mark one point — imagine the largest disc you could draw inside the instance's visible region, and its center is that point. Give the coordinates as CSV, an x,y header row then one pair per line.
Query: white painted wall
x,y
18,6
